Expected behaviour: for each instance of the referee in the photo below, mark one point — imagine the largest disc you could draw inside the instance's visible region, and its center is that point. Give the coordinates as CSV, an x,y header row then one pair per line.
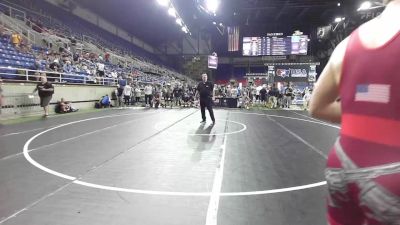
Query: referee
x,y
205,89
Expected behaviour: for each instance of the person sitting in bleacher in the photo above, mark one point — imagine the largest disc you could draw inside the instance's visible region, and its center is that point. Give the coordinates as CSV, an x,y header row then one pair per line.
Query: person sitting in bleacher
x,y
67,68
16,39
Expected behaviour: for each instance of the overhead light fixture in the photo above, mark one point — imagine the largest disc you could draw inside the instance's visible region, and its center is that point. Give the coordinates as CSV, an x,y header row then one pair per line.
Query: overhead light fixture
x,y
179,21
163,2
220,24
338,20
215,23
212,5
172,12
339,4
184,29
365,6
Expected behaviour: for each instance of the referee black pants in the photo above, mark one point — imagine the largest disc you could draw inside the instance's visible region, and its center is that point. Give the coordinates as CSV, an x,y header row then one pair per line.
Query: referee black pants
x,y
206,103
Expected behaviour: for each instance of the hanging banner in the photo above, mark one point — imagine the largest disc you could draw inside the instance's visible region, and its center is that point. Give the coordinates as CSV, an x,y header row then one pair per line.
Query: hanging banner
x,y
212,62
233,39
293,73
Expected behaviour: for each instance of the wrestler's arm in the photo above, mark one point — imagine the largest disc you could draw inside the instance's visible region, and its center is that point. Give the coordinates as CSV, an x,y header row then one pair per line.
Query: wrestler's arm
x,y
324,102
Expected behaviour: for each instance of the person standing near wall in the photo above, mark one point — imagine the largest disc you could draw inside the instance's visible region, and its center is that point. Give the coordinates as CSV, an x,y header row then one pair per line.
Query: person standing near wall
x,y
148,91
138,94
274,93
46,91
306,99
288,96
127,94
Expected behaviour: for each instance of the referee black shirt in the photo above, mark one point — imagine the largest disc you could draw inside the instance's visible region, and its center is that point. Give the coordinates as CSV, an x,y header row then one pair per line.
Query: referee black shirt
x,y
205,89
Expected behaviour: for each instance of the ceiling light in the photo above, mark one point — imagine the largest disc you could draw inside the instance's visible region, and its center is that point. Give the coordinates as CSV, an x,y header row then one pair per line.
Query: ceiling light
x,y
184,29
215,23
212,5
339,4
365,6
338,20
172,12
179,21
163,2
220,24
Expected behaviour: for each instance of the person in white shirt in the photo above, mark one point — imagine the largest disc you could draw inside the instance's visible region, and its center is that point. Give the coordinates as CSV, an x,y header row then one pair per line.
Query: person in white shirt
x,y
234,92
258,89
148,95
306,99
127,94
138,94
100,69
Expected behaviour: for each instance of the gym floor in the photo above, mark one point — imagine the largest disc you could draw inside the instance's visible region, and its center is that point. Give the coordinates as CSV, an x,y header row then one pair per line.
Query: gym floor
x,y
146,166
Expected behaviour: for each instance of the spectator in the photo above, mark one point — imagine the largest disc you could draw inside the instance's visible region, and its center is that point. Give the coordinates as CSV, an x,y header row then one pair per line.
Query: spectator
x,y
288,94
121,82
253,96
157,98
65,107
274,93
67,68
167,94
138,94
46,91
16,40
148,91
245,99
105,102
107,57
100,69
263,95
127,94
177,95
306,99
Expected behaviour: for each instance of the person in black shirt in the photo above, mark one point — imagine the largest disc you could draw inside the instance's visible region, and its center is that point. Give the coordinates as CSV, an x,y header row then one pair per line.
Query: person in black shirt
x,y
263,95
177,92
288,96
46,91
205,90
274,93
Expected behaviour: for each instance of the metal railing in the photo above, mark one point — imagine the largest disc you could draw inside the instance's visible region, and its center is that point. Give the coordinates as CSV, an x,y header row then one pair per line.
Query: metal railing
x,y
19,74
20,104
13,12
35,37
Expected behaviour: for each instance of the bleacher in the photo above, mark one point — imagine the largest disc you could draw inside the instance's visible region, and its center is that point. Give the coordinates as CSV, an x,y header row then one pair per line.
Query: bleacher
x,y
140,63
10,57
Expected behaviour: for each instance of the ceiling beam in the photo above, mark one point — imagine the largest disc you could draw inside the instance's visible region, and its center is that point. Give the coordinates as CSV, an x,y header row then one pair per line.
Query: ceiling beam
x,y
282,10
301,14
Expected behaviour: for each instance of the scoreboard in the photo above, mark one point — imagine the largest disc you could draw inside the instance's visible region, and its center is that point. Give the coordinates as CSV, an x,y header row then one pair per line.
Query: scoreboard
x,y
272,46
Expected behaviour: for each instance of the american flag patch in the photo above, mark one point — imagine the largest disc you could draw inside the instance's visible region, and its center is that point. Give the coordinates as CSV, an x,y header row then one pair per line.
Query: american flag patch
x,y
376,93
